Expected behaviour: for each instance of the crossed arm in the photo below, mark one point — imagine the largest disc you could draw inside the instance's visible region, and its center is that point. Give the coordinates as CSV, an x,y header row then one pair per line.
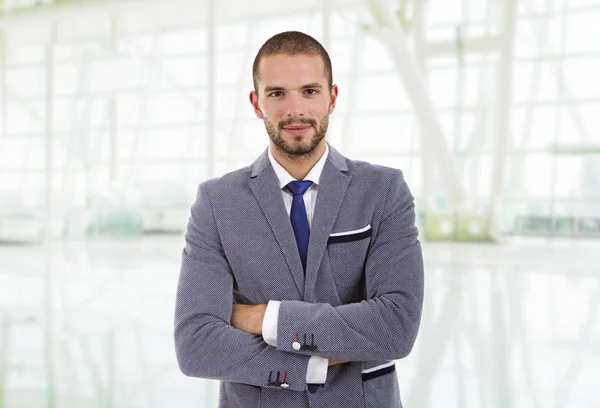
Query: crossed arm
x,y
250,318
206,343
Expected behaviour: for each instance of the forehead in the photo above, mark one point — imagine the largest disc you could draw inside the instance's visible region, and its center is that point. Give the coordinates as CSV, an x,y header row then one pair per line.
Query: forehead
x,y
282,69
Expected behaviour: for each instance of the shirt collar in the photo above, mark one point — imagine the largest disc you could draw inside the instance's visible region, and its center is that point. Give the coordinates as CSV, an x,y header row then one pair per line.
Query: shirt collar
x,y
313,175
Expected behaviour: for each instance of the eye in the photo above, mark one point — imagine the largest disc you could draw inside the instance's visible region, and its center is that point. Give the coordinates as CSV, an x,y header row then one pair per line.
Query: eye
x,y
275,94
312,91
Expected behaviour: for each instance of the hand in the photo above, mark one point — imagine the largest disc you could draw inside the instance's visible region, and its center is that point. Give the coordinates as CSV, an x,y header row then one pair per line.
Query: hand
x,y
248,318
334,362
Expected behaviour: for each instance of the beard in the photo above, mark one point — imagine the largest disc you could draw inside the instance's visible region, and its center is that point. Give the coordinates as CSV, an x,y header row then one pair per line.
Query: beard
x,y
297,148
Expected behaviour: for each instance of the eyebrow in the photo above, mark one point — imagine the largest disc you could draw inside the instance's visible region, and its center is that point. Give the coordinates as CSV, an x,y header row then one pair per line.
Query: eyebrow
x,y
313,85
279,88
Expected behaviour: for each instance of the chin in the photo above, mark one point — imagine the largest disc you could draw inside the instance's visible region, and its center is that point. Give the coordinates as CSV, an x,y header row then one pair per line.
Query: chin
x,y
302,148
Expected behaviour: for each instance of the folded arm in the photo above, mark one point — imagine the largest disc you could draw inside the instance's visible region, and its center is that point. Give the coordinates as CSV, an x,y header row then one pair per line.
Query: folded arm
x,y
206,345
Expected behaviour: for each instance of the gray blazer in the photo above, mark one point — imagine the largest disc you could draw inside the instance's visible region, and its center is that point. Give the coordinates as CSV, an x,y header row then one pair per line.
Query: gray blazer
x,y
359,302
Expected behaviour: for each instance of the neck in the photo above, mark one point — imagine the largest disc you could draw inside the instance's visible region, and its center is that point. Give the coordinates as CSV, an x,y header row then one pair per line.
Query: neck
x,y
298,166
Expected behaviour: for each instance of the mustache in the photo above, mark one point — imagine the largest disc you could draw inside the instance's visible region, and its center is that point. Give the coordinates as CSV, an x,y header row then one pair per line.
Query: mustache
x,y
293,121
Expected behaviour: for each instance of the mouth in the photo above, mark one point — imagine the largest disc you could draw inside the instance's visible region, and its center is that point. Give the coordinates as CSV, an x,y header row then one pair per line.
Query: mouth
x,y
297,130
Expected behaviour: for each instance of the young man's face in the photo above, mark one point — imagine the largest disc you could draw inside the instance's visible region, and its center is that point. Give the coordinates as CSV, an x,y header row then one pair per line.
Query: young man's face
x,y
294,101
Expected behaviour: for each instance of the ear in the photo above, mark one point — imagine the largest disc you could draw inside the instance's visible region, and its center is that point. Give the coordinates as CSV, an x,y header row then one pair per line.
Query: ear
x,y
333,100
254,102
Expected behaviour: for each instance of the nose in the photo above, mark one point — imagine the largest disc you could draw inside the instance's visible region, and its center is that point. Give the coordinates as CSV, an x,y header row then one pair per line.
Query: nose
x,y
295,107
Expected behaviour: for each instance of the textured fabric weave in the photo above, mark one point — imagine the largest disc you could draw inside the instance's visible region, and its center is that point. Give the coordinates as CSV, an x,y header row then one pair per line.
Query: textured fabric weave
x,y
359,299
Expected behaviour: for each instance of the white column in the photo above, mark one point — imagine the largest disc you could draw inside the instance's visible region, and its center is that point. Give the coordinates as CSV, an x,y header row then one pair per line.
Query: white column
x,y
49,230
427,173
3,84
326,30
503,115
211,110
113,144
49,135
112,110
353,78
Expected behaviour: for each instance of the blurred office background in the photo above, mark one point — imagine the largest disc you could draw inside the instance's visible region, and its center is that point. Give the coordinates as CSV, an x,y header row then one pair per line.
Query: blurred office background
x,y
112,112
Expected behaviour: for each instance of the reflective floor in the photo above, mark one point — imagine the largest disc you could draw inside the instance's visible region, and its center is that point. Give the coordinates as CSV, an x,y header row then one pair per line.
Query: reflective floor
x,y
90,325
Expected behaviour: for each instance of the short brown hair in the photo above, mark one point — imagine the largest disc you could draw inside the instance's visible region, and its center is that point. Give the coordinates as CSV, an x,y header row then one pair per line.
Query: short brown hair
x,y
292,43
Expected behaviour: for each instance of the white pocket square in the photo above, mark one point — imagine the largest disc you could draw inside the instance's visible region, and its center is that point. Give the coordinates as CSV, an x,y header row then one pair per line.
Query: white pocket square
x,y
349,236
358,231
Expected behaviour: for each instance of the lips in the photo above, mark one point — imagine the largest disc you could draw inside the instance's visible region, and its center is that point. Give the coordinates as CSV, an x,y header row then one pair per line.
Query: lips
x,y
297,130
295,127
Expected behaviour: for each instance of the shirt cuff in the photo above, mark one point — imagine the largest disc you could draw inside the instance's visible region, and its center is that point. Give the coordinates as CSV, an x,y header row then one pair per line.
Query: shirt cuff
x,y
269,327
317,370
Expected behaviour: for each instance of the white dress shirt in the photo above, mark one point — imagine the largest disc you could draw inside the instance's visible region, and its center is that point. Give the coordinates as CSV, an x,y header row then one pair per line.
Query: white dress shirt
x,y
317,366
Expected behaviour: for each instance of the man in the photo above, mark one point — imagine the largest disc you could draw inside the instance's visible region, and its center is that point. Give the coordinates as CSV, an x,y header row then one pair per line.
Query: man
x,y
302,274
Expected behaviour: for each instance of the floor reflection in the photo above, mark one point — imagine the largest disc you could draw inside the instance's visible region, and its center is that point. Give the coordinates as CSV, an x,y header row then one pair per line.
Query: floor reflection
x,y
90,324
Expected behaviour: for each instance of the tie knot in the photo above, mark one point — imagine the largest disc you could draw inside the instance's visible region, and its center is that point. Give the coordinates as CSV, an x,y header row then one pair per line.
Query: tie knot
x,y
299,187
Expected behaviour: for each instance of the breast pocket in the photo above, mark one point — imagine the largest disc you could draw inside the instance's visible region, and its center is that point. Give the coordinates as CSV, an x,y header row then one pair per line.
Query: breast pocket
x,y
347,254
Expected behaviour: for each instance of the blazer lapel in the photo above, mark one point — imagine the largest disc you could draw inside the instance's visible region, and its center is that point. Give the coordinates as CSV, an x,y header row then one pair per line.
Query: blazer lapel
x,y
265,187
332,187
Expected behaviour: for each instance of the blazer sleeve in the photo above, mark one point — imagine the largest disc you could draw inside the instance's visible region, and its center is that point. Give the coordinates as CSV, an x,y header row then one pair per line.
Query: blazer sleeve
x,y
385,326
206,345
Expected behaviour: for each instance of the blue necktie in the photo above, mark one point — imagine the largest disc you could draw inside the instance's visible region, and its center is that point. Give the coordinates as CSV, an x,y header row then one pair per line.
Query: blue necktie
x,y
299,218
